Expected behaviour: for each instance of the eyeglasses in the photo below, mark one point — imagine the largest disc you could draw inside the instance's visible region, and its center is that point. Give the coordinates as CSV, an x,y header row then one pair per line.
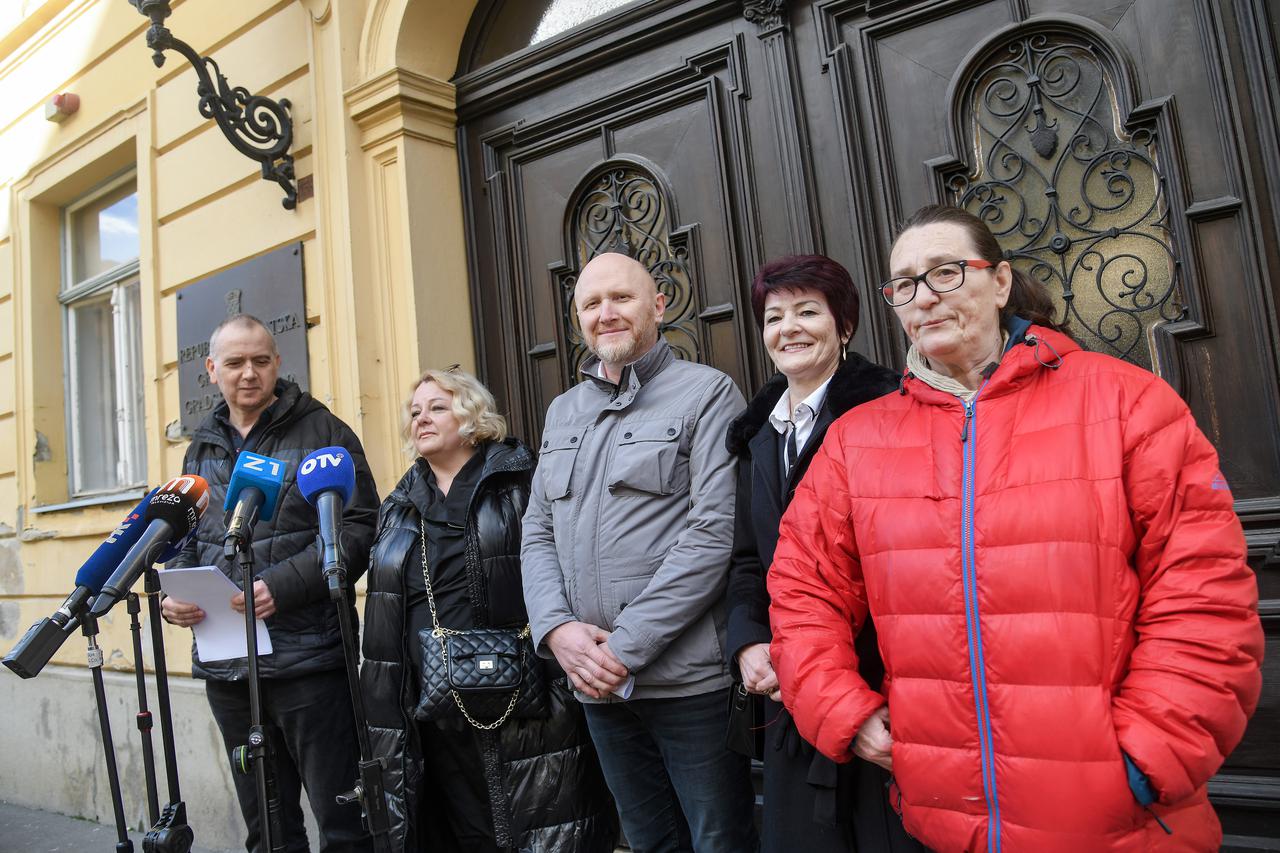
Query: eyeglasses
x,y
941,279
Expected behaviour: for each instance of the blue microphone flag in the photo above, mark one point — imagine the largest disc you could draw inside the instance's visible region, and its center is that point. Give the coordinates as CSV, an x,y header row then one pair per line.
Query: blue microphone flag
x,y
327,469
102,562
257,472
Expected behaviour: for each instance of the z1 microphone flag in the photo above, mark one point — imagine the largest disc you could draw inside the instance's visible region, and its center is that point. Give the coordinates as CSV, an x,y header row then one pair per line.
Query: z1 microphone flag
x,y
251,497
253,471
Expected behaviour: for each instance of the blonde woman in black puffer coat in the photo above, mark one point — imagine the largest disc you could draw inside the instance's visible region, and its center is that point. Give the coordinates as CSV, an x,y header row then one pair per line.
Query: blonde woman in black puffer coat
x,y
531,784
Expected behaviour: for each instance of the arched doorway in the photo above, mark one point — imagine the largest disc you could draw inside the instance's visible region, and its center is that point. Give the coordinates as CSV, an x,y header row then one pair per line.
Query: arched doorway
x,y
715,135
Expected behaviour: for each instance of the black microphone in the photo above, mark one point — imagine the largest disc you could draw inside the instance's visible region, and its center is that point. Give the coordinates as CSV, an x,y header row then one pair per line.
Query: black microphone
x,y
327,479
251,497
172,513
45,637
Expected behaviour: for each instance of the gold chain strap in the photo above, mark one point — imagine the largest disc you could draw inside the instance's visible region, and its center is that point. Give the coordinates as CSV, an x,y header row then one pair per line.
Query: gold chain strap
x,y
440,632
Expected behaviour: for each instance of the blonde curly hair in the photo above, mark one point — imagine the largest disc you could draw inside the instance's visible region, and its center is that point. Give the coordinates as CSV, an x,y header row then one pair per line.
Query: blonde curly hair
x,y
473,406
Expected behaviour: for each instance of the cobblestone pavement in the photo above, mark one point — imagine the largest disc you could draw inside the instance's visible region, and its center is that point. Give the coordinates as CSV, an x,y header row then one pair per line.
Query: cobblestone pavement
x,y
26,830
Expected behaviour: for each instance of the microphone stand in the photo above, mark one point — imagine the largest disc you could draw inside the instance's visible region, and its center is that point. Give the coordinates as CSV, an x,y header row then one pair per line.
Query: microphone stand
x,y
89,627
369,791
144,714
170,833
257,752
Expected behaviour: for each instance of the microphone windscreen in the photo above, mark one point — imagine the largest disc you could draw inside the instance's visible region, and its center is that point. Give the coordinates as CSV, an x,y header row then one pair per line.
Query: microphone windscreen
x,y
259,472
327,469
180,503
102,562
175,547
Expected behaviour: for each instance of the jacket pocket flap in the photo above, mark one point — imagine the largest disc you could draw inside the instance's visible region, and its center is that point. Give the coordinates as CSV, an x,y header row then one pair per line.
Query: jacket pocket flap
x,y
664,429
562,439
558,454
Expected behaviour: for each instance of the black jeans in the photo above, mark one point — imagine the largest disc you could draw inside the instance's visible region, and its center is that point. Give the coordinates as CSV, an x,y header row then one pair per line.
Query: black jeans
x,y
677,787
313,737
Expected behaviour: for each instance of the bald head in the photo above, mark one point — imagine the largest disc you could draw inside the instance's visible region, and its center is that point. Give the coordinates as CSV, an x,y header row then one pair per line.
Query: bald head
x,y
240,322
619,309
616,267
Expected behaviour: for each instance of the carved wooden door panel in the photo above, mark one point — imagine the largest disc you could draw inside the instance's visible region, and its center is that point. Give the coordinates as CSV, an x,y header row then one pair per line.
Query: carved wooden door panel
x,y
673,130
1116,151
1124,152
645,156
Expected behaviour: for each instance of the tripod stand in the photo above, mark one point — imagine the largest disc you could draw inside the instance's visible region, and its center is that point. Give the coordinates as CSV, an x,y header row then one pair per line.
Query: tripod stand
x,y
256,755
368,792
89,627
169,832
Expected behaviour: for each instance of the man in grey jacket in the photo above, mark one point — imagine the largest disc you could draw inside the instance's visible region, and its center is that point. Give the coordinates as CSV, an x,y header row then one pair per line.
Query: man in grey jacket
x,y
625,558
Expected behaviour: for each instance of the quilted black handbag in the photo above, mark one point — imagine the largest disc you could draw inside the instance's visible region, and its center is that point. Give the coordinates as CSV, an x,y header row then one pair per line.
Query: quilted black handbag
x,y
494,670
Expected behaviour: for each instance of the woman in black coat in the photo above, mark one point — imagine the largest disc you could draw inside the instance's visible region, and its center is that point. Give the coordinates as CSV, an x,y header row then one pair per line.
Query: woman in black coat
x,y
532,784
807,309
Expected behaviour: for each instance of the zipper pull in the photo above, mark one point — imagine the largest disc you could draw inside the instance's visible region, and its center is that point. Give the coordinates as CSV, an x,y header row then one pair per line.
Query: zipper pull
x,y
968,416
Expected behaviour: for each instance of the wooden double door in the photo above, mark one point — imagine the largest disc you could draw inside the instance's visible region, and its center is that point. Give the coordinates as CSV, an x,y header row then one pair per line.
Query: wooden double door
x,y
1125,153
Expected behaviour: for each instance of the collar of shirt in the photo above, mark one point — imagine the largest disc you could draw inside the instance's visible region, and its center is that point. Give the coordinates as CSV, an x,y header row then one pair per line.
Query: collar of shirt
x,y
803,417
249,441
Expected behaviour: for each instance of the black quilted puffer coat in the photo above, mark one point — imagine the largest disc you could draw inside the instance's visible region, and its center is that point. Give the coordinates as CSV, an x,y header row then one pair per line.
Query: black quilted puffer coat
x,y
305,633
557,798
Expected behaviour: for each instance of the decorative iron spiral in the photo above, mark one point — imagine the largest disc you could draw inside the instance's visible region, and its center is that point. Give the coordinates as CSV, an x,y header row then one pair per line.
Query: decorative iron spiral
x,y
626,210
1077,207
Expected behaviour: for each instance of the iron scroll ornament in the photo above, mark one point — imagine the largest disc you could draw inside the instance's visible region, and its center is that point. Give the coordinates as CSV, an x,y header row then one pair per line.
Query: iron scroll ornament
x,y
1076,202
260,128
626,206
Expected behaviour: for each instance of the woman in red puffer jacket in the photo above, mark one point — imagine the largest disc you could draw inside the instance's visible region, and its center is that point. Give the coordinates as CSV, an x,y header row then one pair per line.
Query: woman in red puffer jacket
x,y
1051,557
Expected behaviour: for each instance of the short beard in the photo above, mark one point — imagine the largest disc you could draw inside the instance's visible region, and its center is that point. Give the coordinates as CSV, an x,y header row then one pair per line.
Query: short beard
x,y
621,352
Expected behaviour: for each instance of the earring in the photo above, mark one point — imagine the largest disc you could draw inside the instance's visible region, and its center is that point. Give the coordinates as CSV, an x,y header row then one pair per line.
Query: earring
x,y
844,350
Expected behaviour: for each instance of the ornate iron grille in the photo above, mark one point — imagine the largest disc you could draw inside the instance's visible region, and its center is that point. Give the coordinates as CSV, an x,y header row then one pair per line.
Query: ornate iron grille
x,y
1078,204
624,207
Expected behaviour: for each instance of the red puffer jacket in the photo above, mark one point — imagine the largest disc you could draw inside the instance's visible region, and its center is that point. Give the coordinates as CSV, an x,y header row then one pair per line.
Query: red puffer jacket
x,y
1056,576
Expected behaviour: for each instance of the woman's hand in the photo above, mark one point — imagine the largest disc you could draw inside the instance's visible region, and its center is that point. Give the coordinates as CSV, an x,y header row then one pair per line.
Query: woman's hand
x,y
757,671
874,742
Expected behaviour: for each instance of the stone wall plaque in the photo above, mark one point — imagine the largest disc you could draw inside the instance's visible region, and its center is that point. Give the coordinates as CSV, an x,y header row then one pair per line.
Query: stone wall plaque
x,y
270,288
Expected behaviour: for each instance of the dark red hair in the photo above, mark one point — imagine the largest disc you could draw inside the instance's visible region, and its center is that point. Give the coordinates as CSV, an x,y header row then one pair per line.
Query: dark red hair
x,y
809,272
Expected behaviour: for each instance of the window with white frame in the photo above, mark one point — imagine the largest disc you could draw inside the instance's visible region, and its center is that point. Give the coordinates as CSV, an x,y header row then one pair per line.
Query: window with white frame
x,y
103,340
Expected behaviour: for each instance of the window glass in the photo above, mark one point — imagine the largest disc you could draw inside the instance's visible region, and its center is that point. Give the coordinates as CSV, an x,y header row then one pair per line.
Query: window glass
x,y
522,23
93,421
564,15
104,233
103,343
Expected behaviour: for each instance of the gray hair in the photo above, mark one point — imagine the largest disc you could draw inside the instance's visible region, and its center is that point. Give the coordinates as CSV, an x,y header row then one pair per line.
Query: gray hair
x,y
240,320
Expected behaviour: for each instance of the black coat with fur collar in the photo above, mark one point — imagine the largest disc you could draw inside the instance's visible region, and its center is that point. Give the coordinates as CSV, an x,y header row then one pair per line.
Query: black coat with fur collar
x,y
761,500
811,803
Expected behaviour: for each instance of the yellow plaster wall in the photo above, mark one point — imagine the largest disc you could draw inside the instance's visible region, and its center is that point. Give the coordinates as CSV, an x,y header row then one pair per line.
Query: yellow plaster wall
x,y
384,250
385,264
202,208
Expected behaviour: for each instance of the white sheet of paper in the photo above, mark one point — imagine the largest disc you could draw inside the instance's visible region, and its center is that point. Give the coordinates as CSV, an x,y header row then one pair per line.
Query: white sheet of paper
x,y
220,635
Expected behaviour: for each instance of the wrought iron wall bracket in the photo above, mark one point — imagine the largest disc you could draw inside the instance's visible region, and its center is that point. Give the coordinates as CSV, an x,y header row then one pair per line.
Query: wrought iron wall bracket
x,y
258,127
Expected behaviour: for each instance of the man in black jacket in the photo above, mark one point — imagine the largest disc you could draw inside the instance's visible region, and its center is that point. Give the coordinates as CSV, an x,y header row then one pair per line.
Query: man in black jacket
x,y
304,689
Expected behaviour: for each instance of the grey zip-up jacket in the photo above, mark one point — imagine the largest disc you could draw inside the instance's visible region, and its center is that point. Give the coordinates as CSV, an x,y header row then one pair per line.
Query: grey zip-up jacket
x,y
630,521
